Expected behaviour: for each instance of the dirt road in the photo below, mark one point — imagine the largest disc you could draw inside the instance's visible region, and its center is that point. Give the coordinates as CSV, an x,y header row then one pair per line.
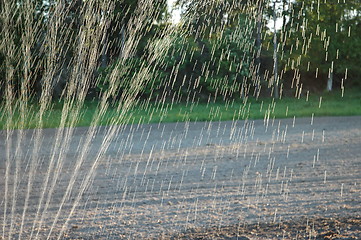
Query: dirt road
x,y
157,180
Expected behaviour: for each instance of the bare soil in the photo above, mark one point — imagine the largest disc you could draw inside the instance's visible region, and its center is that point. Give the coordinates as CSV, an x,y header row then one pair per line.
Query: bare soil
x,y
304,228
287,178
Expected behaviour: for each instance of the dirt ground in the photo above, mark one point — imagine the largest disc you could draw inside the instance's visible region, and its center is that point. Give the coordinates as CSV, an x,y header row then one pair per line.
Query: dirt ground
x,y
320,228
282,178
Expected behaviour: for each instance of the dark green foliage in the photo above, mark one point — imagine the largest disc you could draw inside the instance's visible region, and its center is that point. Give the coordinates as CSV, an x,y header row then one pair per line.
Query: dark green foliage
x,y
212,55
324,38
195,68
209,66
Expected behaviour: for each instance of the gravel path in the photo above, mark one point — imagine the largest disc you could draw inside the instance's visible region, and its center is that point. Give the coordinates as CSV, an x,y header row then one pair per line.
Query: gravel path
x,y
174,180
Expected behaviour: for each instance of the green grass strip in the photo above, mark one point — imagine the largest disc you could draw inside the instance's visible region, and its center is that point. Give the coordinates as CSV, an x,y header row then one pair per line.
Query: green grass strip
x,y
329,104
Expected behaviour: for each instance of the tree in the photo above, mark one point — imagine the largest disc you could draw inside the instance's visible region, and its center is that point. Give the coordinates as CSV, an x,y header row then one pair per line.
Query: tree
x,y
20,23
51,34
325,38
214,21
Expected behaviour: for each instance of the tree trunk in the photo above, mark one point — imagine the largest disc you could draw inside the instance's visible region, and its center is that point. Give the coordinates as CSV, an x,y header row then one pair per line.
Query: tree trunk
x,y
104,57
259,40
330,81
284,3
258,79
122,42
275,62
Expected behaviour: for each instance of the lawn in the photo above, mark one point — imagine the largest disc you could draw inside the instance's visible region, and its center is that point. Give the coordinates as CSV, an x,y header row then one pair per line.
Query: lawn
x,y
327,104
